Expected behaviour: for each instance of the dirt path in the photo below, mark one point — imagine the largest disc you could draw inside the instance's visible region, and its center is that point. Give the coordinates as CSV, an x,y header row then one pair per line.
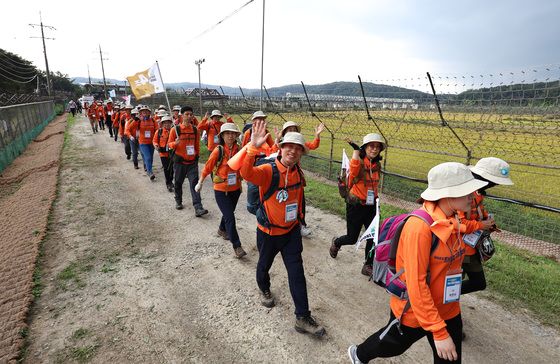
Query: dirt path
x,y
130,279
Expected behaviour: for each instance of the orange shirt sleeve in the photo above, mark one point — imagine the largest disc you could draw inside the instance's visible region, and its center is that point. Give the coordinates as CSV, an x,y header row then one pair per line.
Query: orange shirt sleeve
x,y
314,144
257,175
210,163
353,172
415,242
172,138
203,124
246,137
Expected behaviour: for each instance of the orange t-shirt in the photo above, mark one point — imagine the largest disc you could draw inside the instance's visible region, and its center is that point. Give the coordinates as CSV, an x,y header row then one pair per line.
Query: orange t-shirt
x,y
363,180
284,215
231,179
427,309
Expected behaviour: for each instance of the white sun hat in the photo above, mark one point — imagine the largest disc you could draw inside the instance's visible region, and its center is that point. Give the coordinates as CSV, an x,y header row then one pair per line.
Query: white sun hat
x,y
373,137
289,123
294,138
258,114
494,170
162,107
144,107
177,108
450,179
229,127
166,118
216,113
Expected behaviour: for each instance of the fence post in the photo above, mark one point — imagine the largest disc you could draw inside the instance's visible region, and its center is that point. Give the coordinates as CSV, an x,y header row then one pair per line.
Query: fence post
x,y
331,156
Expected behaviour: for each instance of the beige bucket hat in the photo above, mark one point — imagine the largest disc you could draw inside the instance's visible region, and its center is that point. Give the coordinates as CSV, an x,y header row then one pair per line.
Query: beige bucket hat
x,y
450,179
177,108
166,118
373,137
216,113
494,170
144,107
289,123
258,114
229,127
294,138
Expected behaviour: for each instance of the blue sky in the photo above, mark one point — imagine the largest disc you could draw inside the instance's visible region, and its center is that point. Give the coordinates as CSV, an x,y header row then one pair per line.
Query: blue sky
x,y
313,41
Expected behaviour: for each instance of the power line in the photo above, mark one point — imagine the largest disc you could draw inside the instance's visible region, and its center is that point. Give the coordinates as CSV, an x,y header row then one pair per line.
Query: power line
x,y
12,59
11,79
14,75
220,22
14,65
25,73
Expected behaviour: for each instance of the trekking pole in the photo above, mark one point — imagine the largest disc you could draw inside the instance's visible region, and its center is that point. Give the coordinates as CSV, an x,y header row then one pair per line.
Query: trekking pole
x,y
445,123
380,132
326,127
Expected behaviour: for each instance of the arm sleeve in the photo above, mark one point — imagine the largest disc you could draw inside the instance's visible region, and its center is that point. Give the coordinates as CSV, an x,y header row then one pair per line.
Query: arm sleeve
x,y
171,139
210,163
203,125
314,144
257,175
353,172
415,242
155,140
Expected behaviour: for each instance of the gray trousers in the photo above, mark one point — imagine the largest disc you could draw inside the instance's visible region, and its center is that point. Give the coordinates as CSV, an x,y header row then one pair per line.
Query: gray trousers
x,y
190,171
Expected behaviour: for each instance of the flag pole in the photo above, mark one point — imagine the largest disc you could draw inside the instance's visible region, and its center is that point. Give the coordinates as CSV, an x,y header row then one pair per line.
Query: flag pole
x,y
164,89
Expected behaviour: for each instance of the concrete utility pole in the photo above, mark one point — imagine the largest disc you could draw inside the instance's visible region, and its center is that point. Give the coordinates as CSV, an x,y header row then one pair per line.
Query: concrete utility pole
x,y
198,63
103,71
88,76
49,90
262,59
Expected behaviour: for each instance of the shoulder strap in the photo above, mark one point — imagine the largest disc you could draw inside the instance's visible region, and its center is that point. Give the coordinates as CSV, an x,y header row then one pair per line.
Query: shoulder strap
x,y
422,215
273,183
220,158
160,131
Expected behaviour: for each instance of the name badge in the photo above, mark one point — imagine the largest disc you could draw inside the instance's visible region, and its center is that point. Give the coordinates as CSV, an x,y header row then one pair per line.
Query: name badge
x,y
472,239
110,112
216,139
232,179
370,199
452,288
291,212
190,149
147,134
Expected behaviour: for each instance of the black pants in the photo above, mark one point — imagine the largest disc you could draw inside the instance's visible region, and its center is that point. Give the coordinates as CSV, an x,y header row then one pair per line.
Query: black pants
x,y
356,217
227,204
73,111
167,170
189,171
101,123
126,142
290,246
115,132
134,146
476,280
393,343
109,124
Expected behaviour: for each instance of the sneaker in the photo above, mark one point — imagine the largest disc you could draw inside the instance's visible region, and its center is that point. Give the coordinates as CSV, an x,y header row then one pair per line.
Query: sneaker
x,y
223,234
353,356
152,177
239,252
200,212
267,299
308,325
305,231
128,157
367,270
170,188
333,250
136,167
179,206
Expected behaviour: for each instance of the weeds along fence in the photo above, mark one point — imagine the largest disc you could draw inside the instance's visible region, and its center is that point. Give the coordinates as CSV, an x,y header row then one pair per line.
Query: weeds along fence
x,y
19,124
512,115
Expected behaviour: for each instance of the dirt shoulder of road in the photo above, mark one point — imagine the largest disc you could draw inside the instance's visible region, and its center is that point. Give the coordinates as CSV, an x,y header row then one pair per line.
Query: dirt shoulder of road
x,y
127,278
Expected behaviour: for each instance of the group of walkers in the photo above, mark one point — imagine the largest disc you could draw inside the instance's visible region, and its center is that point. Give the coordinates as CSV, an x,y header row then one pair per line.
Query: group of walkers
x,y
439,249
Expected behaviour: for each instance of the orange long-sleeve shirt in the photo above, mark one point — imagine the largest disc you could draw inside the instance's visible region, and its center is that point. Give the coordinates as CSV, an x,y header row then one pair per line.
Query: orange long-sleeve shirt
x,y
100,112
115,118
427,309
161,141
188,144
212,130
122,121
224,172
147,130
362,180
284,215
131,129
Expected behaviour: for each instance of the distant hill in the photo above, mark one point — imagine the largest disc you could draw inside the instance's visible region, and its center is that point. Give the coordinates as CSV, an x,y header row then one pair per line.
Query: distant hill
x,y
545,92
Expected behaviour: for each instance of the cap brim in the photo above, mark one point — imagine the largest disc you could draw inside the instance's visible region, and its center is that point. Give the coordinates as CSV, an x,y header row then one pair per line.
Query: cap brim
x,y
461,190
506,181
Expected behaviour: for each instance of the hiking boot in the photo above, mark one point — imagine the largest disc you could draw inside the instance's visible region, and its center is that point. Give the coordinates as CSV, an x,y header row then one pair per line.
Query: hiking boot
x,y
353,356
305,231
307,324
198,212
333,250
152,177
239,252
136,166
128,157
179,206
367,270
223,234
170,188
267,299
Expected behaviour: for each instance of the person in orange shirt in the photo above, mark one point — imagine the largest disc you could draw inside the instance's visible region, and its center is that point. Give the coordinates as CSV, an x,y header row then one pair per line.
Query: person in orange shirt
x,y
124,116
495,171
278,217
184,139
109,110
115,118
100,114
132,133
227,183
363,177
92,116
432,308
160,140
177,117
212,127
147,129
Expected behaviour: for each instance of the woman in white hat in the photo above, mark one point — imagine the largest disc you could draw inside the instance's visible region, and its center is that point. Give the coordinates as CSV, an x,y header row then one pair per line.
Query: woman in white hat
x,y
495,171
211,124
363,181
432,308
227,183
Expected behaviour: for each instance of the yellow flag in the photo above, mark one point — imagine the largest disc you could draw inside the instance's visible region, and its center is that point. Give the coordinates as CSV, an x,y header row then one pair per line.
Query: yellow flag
x,y
146,83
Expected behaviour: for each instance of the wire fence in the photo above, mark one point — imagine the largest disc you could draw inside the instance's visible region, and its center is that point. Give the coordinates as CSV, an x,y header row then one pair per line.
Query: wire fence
x,y
511,115
19,124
